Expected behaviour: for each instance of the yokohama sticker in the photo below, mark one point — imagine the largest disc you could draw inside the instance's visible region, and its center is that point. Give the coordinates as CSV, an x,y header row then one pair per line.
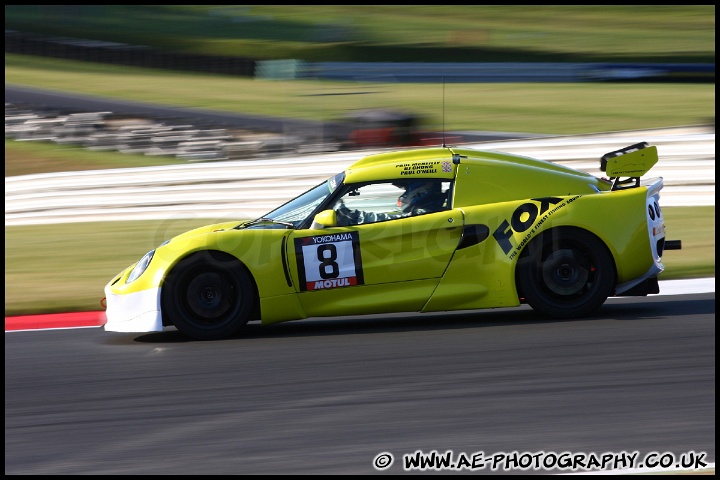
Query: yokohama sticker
x,y
329,261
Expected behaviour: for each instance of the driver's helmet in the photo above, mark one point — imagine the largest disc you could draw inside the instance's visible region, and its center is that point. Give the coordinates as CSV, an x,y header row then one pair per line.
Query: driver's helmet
x,y
416,194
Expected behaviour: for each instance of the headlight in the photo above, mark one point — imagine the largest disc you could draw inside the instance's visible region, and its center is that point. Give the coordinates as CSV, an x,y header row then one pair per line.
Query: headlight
x,y
140,267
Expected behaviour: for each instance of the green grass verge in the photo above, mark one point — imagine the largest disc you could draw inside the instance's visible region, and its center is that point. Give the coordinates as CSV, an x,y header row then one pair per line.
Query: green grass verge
x,y
64,268
695,227
25,158
426,33
542,108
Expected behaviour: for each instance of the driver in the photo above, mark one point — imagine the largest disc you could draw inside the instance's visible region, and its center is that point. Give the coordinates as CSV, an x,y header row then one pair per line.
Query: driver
x,y
420,196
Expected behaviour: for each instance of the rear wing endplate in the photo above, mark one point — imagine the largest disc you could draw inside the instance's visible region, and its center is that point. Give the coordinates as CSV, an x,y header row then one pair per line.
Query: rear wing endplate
x,y
629,163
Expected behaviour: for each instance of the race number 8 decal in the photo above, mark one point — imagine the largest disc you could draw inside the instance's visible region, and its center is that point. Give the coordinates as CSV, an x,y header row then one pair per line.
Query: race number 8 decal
x,y
327,254
329,261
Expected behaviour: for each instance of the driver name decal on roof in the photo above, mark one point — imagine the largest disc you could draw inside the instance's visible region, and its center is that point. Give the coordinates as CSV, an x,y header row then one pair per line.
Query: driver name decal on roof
x,y
421,168
329,261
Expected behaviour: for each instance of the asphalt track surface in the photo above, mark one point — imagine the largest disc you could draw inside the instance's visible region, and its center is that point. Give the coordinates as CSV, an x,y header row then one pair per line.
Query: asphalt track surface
x,y
327,396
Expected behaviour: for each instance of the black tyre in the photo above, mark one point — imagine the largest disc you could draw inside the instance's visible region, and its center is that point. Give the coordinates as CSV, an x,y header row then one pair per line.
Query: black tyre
x,y
208,296
565,273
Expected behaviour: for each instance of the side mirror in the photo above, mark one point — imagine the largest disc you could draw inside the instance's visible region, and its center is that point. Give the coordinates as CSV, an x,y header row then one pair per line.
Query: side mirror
x,y
324,219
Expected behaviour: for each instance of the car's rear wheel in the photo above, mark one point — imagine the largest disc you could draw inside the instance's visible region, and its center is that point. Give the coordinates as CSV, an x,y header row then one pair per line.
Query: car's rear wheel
x,y
208,296
565,273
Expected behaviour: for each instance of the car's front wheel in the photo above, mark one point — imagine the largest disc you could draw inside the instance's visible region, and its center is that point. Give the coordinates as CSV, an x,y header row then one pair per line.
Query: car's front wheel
x,y
565,273
208,296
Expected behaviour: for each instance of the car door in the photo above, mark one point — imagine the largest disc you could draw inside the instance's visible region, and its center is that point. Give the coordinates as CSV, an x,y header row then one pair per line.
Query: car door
x,y
386,265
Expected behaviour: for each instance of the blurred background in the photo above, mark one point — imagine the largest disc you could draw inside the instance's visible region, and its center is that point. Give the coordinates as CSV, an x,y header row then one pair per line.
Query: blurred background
x,y
94,87
372,75
387,33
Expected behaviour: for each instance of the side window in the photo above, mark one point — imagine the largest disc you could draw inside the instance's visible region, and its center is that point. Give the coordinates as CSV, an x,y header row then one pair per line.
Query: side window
x,y
369,203
377,202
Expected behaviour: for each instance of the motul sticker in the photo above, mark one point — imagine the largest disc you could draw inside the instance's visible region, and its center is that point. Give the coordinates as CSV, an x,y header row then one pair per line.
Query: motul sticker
x,y
329,261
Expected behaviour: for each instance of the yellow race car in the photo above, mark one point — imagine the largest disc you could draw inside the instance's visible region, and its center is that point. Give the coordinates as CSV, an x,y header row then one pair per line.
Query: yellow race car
x,y
420,230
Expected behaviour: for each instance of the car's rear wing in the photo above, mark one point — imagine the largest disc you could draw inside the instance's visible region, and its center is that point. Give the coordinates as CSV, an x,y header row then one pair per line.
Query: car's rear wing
x,y
627,165
632,163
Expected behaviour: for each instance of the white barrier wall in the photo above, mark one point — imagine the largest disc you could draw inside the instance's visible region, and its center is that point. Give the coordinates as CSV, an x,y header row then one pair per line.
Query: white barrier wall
x,y
249,188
